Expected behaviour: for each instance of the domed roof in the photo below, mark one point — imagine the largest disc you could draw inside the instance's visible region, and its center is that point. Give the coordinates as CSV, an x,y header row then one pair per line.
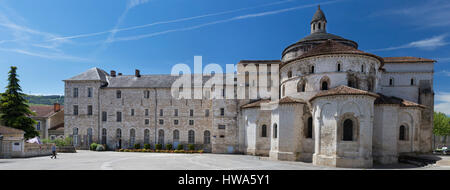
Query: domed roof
x,y
333,47
319,16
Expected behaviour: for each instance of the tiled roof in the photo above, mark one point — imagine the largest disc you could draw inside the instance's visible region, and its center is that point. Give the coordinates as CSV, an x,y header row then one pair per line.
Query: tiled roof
x,y
148,81
406,60
333,47
57,127
43,111
9,130
255,104
290,100
343,90
94,74
382,99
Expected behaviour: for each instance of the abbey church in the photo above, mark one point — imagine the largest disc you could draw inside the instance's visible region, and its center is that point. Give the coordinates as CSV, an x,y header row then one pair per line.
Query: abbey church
x,y
338,106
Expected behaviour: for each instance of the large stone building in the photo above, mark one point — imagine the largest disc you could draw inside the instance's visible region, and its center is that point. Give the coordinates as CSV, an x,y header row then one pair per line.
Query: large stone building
x,y
337,106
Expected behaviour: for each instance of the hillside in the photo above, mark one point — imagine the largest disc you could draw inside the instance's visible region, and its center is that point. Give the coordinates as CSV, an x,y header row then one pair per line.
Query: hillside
x,y
45,100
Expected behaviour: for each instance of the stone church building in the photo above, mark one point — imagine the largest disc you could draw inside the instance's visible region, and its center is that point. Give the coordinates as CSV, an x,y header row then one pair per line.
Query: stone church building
x,y
338,106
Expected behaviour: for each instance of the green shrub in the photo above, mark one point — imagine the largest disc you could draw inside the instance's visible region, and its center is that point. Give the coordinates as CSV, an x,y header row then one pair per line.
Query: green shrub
x,y
147,146
169,146
94,146
180,147
137,146
158,146
191,147
100,148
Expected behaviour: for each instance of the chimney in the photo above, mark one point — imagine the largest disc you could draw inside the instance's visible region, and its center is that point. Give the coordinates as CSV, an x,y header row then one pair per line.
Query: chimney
x,y
113,73
137,73
56,107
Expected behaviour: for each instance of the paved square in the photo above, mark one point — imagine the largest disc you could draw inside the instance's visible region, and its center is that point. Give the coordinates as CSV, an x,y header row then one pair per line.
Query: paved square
x,y
90,160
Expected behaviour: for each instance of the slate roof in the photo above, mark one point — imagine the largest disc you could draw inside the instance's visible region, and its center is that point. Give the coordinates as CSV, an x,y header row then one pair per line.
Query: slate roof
x,y
332,47
382,99
9,130
319,16
343,90
93,74
43,110
407,60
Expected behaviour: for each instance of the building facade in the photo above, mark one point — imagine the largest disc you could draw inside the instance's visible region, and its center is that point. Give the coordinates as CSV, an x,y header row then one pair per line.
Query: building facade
x,y
337,106
49,120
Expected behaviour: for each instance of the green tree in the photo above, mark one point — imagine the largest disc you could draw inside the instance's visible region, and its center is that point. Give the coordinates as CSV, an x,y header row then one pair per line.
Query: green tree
x,y
441,124
14,110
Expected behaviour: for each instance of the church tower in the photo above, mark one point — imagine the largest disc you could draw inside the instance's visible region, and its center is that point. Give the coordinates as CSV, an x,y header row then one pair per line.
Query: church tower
x,y
319,22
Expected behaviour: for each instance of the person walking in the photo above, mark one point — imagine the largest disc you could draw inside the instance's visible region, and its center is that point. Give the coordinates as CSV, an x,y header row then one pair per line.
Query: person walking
x,y
53,151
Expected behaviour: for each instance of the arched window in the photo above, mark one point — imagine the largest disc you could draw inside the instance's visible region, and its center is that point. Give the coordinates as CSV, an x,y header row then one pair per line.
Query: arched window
x,y
89,136
275,131
412,81
75,136
301,86
324,85
314,26
104,135
207,137
348,130
362,68
146,136
161,136
312,69
132,137
402,134
320,25
191,137
264,131
309,128
118,94
339,67
176,136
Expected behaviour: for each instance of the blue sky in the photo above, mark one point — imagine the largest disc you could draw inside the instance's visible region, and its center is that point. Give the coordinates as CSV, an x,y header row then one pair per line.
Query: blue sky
x,y
52,40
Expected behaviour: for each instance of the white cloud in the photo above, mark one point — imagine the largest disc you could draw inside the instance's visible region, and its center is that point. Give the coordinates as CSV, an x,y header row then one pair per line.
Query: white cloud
x,y
247,16
426,44
442,103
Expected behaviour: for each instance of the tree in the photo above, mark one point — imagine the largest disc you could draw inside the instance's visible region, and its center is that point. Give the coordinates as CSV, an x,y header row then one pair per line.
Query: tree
x,y
14,110
441,124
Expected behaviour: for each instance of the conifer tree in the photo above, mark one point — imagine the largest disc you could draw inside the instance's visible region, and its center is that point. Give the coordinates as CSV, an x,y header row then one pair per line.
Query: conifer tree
x,y
14,110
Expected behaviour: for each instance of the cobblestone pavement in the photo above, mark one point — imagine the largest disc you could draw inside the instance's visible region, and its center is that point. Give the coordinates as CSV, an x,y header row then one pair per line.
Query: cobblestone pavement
x,y
89,160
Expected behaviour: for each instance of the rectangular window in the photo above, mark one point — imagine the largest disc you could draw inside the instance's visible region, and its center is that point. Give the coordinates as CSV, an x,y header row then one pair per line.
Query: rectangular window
x,y
161,112
75,92
221,126
146,112
222,136
175,122
161,121
206,113
147,121
191,113
104,116
89,94
132,112
75,110
222,111
191,122
38,126
176,112
89,110
146,94
119,117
